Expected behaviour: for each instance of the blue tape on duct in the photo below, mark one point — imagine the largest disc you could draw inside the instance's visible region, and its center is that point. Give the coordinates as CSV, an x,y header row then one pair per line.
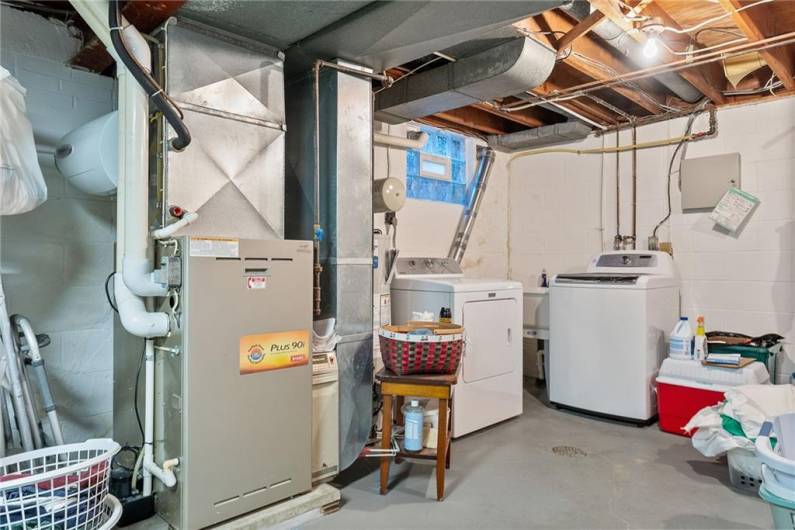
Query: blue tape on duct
x,y
444,144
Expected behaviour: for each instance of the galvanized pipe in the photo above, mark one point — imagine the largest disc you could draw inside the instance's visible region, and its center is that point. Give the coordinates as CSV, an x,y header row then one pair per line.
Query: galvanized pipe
x,y
485,157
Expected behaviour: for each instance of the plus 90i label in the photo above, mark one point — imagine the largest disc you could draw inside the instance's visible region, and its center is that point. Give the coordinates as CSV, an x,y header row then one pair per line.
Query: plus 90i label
x,y
273,351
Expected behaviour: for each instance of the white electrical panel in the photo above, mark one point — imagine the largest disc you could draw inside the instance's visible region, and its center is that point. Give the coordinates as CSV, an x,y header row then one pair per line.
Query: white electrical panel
x,y
705,180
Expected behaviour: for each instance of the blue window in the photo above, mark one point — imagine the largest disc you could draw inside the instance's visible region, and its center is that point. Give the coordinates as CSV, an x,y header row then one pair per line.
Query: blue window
x,y
438,172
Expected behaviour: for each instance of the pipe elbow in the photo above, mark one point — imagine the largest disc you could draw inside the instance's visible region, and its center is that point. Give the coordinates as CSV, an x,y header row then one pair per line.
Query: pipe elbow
x,y
137,275
166,476
134,316
170,230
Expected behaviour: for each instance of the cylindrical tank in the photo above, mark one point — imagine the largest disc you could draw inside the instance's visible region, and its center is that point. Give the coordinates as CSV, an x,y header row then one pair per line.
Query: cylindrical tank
x,y
389,195
88,156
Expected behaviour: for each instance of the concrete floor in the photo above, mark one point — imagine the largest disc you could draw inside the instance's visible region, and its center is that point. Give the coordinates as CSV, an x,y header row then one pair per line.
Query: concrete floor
x,y
512,476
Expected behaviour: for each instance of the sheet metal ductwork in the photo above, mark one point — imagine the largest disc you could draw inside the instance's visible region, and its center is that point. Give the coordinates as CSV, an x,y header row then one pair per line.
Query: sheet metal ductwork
x,y
382,35
559,133
503,70
346,217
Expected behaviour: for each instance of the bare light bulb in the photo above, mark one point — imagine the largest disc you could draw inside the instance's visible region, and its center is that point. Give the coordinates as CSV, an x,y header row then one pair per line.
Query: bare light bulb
x,y
650,48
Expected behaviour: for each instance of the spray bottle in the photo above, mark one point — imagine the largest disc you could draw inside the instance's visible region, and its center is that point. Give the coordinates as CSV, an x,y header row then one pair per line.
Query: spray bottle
x,y
700,340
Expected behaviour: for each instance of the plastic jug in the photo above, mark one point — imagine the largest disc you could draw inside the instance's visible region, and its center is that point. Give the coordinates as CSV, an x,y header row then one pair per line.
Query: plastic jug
x,y
680,343
412,421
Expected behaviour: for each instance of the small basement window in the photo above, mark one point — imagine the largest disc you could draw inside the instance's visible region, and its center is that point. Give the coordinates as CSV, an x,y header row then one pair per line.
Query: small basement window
x,y
438,172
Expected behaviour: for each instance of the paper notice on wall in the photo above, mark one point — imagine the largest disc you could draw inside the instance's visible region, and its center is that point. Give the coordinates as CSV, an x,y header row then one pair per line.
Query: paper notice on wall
x,y
382,315
215,247
733,209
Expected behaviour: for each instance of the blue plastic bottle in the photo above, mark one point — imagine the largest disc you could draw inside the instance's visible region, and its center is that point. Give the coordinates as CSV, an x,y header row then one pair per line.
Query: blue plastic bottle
x,y
412,420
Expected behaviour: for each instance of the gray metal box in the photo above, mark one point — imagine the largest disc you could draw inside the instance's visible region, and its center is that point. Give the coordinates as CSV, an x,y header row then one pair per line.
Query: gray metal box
x,y
705,180
234,397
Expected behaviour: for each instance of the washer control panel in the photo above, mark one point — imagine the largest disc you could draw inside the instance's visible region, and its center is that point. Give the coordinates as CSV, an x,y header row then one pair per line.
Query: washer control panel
x,y
426,266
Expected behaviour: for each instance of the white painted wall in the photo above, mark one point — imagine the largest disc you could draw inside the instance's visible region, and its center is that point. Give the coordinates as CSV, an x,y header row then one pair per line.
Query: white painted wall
x,y
741,282
54,259
426,228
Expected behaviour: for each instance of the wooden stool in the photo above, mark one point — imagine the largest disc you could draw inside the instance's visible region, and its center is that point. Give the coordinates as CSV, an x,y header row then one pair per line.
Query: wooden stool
x,y
423,386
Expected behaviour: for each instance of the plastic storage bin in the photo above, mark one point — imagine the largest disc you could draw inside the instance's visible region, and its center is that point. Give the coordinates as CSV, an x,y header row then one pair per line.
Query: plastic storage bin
x,y
686,386
745,470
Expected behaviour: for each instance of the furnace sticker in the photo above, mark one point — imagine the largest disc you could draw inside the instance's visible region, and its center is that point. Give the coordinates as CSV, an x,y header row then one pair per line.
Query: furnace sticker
x,y
273,351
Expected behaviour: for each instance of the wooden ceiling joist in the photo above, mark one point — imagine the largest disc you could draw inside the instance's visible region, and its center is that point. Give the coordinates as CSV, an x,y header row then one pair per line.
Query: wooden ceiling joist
x,y
436,121
758,24
532,117
587,56
146,15
479,119
580,29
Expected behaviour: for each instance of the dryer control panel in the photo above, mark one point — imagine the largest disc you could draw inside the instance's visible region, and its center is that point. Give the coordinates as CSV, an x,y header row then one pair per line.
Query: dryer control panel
x,y
426,266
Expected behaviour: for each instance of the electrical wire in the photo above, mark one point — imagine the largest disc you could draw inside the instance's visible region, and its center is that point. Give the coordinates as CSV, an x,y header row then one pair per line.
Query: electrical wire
x,y
728,30
135,394
410,72
701,24
690,121
697,51
107,293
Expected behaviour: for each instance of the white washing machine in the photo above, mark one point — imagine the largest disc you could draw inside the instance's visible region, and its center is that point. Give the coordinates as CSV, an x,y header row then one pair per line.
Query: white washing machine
x,y
608,331
489,388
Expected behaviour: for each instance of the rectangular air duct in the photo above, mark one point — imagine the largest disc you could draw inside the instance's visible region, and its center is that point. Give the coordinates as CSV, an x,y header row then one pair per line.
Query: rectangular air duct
x,y
346,217
506,69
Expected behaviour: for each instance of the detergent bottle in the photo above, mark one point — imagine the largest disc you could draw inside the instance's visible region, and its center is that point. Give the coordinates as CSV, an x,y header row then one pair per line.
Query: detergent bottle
x,y
680,344
412,421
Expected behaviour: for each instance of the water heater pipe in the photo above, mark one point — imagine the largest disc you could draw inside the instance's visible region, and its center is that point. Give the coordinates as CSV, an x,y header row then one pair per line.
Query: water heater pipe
x,y
485,156
132,194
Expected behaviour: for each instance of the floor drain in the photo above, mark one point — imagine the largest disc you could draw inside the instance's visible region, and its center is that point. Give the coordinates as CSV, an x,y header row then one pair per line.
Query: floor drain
x,y
568,450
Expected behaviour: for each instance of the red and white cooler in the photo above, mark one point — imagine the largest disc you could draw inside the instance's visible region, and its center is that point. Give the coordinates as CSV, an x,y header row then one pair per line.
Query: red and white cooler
x,y
684,387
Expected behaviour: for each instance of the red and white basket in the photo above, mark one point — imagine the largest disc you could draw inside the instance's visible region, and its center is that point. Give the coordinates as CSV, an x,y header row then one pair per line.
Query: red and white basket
x,y
59,488
422,347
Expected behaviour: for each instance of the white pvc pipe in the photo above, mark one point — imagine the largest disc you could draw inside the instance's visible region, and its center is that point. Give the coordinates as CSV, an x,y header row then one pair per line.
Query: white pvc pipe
x,y
168,231
399,141
149,414
134,316
165,474
132,192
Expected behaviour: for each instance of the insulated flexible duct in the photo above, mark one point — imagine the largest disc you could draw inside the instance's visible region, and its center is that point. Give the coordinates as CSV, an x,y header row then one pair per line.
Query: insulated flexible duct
x,y
170,111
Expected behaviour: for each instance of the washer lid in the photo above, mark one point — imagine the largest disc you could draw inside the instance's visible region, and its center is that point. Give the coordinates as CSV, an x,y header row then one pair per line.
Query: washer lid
x,y
598,277
453,284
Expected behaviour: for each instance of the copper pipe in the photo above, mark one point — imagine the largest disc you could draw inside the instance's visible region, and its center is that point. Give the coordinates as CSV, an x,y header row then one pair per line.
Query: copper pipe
x,y
634,181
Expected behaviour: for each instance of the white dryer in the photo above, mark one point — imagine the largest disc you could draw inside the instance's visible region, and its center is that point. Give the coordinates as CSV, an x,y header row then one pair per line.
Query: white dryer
x,y
489,388
608,330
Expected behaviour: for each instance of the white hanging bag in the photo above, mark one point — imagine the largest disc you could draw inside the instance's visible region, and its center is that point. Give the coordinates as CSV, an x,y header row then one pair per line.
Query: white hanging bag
x,y
22,186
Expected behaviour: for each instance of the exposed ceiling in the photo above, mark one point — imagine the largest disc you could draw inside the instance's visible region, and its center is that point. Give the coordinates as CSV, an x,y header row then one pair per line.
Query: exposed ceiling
x,y
728,51
609,87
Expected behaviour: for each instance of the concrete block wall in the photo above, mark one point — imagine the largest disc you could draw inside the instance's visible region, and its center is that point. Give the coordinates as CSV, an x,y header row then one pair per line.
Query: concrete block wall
x,y
54,260
563,211
426,228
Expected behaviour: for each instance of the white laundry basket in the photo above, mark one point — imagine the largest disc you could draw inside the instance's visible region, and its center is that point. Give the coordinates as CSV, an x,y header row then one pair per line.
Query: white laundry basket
x,y
63,487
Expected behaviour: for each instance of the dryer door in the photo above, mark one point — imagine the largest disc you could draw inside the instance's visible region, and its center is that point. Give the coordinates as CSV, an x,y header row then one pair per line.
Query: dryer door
x,y
490,332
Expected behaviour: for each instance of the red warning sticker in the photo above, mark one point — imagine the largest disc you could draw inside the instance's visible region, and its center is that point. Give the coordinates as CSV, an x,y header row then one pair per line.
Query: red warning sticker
x,y
257,282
